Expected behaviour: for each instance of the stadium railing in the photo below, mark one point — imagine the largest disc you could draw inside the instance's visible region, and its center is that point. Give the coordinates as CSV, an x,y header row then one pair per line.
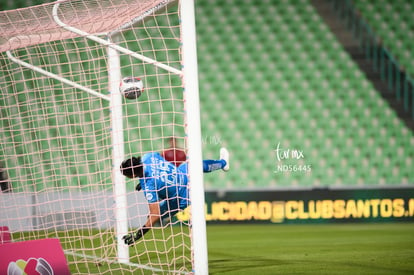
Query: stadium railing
x,y
383,61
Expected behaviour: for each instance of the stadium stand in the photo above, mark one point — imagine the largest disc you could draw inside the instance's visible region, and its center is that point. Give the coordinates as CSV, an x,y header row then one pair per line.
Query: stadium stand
x,y
272,73
392,21
282,77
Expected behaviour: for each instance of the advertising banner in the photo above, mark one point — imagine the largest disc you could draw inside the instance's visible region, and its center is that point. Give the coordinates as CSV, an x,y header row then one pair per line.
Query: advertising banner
x,y
313,206
40,257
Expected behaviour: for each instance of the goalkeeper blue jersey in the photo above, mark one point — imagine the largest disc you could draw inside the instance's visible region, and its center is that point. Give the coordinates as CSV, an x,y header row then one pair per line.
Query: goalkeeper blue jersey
x,y
163,180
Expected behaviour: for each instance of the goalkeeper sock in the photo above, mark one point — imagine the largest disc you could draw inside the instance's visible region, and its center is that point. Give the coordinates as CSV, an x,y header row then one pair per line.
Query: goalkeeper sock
x,y
210,165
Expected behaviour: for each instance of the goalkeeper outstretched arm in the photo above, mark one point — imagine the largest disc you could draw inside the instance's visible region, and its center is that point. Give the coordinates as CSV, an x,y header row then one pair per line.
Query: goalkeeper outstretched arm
x,y
153,217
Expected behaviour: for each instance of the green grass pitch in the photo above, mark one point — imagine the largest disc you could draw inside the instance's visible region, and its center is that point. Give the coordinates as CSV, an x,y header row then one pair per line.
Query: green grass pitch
x,y
312,249
368,248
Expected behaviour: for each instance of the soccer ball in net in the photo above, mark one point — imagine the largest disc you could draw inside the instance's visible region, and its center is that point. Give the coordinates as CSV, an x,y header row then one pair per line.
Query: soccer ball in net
x,y
131,87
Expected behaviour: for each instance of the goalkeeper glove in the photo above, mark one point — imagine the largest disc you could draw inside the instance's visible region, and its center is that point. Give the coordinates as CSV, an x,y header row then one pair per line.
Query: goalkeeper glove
x,y
131,238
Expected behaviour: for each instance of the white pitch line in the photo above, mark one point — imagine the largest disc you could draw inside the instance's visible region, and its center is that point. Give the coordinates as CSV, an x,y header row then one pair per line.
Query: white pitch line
x,y
115,262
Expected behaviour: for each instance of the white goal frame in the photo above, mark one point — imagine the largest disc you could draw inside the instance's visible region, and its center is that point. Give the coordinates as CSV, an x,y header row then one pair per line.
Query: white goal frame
x,y
189,75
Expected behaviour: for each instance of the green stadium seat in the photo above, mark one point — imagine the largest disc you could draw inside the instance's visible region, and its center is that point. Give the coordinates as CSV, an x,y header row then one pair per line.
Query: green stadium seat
x,y
269,72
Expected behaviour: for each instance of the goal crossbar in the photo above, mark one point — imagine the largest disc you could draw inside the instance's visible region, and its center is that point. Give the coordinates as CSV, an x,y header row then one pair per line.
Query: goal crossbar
x,y
37,26
18,39
110,44
140,17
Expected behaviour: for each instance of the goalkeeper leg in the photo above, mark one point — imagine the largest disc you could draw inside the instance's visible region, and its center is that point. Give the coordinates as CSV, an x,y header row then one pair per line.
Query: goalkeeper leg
x,y
210,165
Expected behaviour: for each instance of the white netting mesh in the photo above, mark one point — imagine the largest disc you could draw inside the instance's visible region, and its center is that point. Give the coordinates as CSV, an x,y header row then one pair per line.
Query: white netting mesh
x,y
55,140
35,25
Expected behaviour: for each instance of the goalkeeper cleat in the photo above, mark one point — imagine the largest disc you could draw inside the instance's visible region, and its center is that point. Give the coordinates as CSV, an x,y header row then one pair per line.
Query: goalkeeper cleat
x,y
224,155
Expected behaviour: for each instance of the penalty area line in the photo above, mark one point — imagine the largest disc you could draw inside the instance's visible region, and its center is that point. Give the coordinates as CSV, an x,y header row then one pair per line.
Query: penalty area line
x,y
80,255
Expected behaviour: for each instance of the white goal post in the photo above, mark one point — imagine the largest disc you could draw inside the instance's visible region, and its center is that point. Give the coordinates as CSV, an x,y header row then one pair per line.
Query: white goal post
x,y
57,115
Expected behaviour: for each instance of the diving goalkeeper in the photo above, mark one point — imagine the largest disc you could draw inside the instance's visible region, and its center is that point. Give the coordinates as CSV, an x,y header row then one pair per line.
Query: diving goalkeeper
x,y
164,185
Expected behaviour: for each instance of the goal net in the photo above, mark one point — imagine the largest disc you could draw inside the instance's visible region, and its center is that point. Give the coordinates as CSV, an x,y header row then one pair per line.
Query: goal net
x,y
65,127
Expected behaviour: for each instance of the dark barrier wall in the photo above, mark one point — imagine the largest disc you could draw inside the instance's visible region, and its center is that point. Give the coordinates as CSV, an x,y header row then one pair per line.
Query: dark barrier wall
x,y
314,206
